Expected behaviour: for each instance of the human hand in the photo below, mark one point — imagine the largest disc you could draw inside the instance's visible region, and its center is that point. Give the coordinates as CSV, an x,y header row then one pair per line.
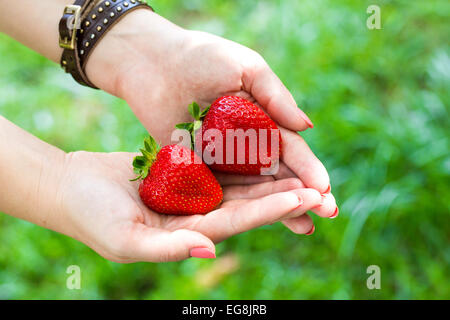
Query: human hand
x,y
102,208
161,68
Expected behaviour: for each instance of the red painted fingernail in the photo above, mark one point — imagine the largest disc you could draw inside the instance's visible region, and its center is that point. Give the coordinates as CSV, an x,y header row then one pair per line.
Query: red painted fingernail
x,y
311,231
204,253
301,202
307,120
322,199
335,214
328,189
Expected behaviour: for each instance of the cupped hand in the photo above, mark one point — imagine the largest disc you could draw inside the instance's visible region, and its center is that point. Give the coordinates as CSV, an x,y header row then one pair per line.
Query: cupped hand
x,y
103,209
160,68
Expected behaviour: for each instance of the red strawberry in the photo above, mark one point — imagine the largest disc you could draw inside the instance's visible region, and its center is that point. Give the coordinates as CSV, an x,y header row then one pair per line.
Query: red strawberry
x,y
230,112
175,180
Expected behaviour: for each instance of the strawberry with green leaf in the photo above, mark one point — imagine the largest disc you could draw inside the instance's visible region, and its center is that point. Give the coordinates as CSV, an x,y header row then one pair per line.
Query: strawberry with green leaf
x,y
175,181
234,113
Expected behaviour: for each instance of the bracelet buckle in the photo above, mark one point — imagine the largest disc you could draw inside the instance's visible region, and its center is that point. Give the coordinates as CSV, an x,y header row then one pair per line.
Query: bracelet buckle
x,y
75,12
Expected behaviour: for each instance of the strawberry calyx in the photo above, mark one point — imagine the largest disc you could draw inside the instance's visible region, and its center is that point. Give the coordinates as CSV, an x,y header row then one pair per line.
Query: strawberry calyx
x,y
198,115
143,163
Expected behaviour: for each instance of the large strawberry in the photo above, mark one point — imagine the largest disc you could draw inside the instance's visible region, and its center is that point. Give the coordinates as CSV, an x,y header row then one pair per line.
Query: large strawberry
x,y
234,113
175,180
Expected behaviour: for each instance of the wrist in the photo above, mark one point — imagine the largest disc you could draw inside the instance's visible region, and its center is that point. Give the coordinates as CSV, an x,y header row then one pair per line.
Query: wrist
x,y
49,195
140,38
32,170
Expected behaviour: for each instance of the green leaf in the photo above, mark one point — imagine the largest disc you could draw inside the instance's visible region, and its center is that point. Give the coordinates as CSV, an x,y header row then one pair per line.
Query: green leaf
x,y
186,126
204,112
147,145
138,164
194,110
151,145
142,163
148,155
191,109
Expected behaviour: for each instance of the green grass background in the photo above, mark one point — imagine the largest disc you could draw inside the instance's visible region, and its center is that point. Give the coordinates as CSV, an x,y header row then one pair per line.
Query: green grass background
x,y
379,100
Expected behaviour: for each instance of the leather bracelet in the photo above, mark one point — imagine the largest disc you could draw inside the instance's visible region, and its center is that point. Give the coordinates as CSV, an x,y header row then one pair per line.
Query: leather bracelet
x,y
95,23
68,32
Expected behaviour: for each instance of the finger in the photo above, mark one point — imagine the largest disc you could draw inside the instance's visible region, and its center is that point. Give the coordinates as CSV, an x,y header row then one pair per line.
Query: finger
x,y
231,179
284,172
328,208
323,205
311,199
275,98
300,225
302,161
260,189
225,222
157,245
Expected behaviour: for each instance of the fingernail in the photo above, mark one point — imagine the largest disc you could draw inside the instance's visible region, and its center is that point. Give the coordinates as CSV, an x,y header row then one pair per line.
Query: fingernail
x,y
328,189
300,200
335,214
203,253
322,199
311,231
307,120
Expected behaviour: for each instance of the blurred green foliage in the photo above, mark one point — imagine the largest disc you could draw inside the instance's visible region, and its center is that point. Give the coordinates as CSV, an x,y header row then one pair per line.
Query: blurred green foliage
x,y
379,100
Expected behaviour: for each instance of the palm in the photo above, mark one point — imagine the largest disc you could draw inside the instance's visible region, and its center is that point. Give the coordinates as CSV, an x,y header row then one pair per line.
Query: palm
x,y
111,217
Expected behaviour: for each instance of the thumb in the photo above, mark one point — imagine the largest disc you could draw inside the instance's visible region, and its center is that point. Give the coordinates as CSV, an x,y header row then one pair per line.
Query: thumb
x,y
157,245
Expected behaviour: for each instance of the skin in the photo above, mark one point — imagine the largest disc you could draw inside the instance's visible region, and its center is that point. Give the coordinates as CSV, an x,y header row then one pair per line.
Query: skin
x,y
158,68
89,197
